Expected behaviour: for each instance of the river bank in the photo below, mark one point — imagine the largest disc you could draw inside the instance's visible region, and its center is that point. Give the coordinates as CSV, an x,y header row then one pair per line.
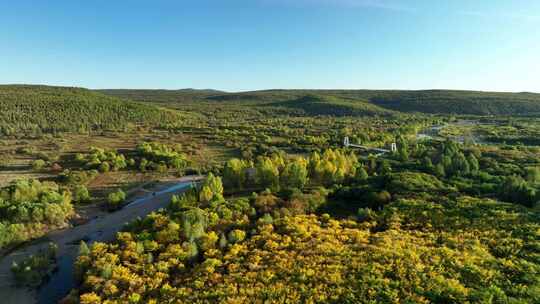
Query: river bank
x,y
102,228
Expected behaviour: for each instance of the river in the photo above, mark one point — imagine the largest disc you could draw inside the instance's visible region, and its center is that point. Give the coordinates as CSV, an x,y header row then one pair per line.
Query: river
x,y
100,229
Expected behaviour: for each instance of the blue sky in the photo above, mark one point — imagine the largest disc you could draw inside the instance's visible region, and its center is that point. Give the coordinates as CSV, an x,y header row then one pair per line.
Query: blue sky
x,y
260,44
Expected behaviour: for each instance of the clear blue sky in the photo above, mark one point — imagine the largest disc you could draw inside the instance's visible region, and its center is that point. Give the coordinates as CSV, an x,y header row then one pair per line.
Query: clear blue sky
x,y
259,44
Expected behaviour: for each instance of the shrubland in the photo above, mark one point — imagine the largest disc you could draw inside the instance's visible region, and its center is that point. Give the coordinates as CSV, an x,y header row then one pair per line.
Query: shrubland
x,y
335,237
30,208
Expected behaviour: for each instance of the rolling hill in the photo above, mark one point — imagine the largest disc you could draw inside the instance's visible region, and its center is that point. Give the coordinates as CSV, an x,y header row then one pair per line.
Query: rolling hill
x,y
161,96
348,101
32,109
452,102
312,104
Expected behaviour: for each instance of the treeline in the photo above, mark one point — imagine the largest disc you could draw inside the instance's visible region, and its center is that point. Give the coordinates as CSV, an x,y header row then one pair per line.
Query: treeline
x,y
102,160
160,157
33,110
147,156
277,172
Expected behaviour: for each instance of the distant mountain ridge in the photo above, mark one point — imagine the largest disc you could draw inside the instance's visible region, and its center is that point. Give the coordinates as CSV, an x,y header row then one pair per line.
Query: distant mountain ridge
x,y
380,101
34,109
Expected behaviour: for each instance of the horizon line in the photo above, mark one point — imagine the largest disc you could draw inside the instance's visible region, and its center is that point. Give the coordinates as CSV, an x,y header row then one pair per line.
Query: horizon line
x,y
268,89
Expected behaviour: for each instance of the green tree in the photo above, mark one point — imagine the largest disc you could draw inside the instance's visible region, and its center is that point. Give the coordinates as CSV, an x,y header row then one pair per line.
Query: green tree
x,y
515,189
460,166
234,173
143,164
83,249
194,222
236,236
372,163
439,170
361,174
214,187
115,198
104,167
79,157
214,182
384,167
473,163
446,162
533,174
403,148
206,195
118,162
38,164
267,174
427,164
81,194
295,174
177,162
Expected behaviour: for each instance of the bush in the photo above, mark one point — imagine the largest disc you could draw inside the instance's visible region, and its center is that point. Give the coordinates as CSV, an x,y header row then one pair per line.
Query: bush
x,y
115,199
38,164
77,177
376,200
104,167
236,236
366,214
79,157
81,194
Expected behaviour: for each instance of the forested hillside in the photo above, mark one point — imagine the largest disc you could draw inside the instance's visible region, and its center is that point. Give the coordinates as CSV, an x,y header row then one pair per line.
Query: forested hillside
x,y
165,96
427,101
329,105
456,102
32,110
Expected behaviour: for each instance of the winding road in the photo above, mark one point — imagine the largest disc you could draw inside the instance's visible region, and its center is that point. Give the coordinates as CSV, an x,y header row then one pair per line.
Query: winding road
x,y
100,229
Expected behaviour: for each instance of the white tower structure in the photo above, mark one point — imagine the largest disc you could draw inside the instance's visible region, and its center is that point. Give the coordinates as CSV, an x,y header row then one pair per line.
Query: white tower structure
x,y
346,141
393,147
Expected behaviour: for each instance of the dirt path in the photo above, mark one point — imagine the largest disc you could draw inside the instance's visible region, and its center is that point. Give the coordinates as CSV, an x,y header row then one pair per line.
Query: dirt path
x,y
103,228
